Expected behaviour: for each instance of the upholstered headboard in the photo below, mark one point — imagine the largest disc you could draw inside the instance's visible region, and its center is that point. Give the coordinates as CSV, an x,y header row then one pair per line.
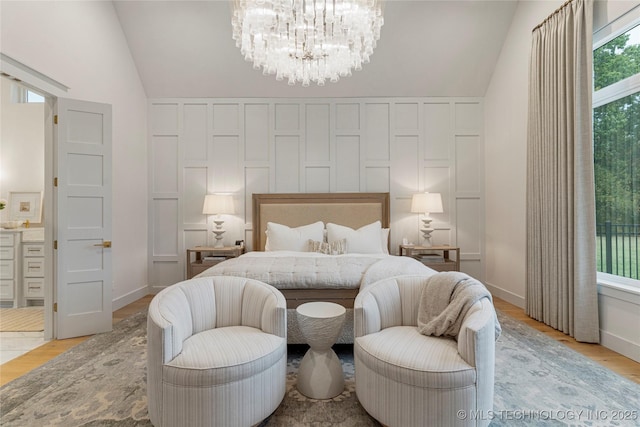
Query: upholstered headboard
x,y
295,209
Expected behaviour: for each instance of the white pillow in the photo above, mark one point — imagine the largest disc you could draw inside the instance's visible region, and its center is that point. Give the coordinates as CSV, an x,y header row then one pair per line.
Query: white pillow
x,y
385,241
283,238
365,240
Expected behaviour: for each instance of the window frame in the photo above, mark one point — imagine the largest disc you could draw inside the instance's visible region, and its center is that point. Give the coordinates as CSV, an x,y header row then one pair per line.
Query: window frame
x,y
606,95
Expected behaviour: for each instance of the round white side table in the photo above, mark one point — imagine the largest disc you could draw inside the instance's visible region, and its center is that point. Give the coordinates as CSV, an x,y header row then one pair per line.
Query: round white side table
x,y
320,374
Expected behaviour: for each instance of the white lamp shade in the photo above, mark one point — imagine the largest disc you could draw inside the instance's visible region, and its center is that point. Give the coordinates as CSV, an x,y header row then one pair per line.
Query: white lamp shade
x,y
426,203
215,204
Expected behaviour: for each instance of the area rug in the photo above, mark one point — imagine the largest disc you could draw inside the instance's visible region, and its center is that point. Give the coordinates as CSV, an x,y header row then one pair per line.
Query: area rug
x,y
28,319
539,381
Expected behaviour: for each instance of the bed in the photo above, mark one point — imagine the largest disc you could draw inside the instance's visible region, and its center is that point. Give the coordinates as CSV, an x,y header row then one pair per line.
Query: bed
x,y
304,275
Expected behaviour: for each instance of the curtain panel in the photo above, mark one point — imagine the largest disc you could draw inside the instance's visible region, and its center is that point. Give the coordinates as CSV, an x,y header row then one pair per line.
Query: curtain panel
x,y
561,286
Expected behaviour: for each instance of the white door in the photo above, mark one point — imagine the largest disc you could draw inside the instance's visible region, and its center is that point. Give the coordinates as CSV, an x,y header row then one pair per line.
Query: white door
x,y
82,204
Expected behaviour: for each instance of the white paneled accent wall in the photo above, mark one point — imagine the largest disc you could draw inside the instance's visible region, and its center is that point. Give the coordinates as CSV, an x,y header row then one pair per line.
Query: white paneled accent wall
x,y
245,146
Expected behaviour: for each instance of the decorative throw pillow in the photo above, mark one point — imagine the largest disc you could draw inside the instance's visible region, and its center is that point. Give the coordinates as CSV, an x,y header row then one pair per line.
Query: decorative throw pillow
x,y
365,240
338,247
283,238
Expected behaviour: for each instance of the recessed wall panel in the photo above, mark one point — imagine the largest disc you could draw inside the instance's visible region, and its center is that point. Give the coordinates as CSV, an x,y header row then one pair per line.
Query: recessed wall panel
x,y
405,164
256,181
226,117
377,179
317,180
226,167
406,117
437,131
287,164
438,180
469,217
194,133
467,163
166,273
193,192
348,163
164,119
468,116
256,132
472,267
377,131
347,117
193,238
317,128
287,117
165,164
165,227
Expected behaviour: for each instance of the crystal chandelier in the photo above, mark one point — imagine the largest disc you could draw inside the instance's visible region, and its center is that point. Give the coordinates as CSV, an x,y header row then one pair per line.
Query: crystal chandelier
x,y
307,40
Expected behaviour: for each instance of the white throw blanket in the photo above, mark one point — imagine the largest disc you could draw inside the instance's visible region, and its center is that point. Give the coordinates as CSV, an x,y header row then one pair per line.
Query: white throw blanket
x,y
445,299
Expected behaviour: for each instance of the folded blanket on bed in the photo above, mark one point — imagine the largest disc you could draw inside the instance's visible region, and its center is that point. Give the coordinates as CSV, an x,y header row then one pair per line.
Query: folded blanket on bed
x,y
445,299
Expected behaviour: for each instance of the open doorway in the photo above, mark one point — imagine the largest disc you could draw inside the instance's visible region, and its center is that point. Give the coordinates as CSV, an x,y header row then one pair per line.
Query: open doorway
x,y
22,187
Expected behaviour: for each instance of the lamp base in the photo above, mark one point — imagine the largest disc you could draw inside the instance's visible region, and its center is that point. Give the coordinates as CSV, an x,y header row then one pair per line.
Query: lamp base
x,y
218,231
426,231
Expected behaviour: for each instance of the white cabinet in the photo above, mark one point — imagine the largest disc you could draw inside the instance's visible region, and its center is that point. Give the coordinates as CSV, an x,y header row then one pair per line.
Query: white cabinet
x,y
9,264
22,266
32,272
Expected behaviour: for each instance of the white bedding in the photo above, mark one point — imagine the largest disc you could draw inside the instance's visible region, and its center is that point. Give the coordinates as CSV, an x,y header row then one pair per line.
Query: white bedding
x,y
310,270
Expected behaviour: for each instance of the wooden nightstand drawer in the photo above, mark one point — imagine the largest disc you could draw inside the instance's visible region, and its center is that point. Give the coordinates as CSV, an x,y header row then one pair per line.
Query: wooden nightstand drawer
x,y
439,258
205,257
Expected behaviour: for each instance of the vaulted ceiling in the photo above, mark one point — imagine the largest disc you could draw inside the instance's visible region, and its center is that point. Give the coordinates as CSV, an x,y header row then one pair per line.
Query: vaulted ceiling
x,y
427,48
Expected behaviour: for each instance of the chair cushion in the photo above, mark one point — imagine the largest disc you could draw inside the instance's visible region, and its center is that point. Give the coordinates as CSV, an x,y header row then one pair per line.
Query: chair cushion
x,y
224,355
406,356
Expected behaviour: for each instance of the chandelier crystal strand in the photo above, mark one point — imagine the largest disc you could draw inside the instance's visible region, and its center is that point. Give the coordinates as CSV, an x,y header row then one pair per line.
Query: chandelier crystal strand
x,y
307,40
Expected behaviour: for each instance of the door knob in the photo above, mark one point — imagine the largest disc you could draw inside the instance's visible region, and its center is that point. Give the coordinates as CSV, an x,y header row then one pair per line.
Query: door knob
x,y
105,244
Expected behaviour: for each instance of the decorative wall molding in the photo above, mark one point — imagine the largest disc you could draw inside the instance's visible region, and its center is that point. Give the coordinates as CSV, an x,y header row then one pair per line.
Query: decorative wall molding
x,y
245,146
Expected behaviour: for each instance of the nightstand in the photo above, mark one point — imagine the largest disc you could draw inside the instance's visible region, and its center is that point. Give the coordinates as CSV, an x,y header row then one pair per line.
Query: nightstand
x,y
436,257
205,257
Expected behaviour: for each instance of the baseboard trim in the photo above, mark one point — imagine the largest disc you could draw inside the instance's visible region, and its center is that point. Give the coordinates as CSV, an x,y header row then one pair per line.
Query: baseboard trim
x,y
127,299
620,345
155,289
508,296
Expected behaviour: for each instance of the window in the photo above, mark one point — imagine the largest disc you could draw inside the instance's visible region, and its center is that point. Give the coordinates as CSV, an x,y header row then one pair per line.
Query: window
x,y
22,95
616,138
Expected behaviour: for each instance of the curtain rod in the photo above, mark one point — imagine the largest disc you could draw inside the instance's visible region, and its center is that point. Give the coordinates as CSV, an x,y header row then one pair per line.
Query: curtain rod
x,y
550,16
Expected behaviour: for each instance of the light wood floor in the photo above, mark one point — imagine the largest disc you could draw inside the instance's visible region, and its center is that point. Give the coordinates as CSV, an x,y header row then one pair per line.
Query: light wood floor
x,y
39,356
612,360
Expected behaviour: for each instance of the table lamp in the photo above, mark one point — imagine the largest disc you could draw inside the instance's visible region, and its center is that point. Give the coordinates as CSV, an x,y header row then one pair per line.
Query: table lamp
x,y
426,203
217,204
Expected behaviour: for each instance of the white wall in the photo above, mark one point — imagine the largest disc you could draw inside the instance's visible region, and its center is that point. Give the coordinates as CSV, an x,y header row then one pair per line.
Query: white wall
x,y
267,145
21,145
81,45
